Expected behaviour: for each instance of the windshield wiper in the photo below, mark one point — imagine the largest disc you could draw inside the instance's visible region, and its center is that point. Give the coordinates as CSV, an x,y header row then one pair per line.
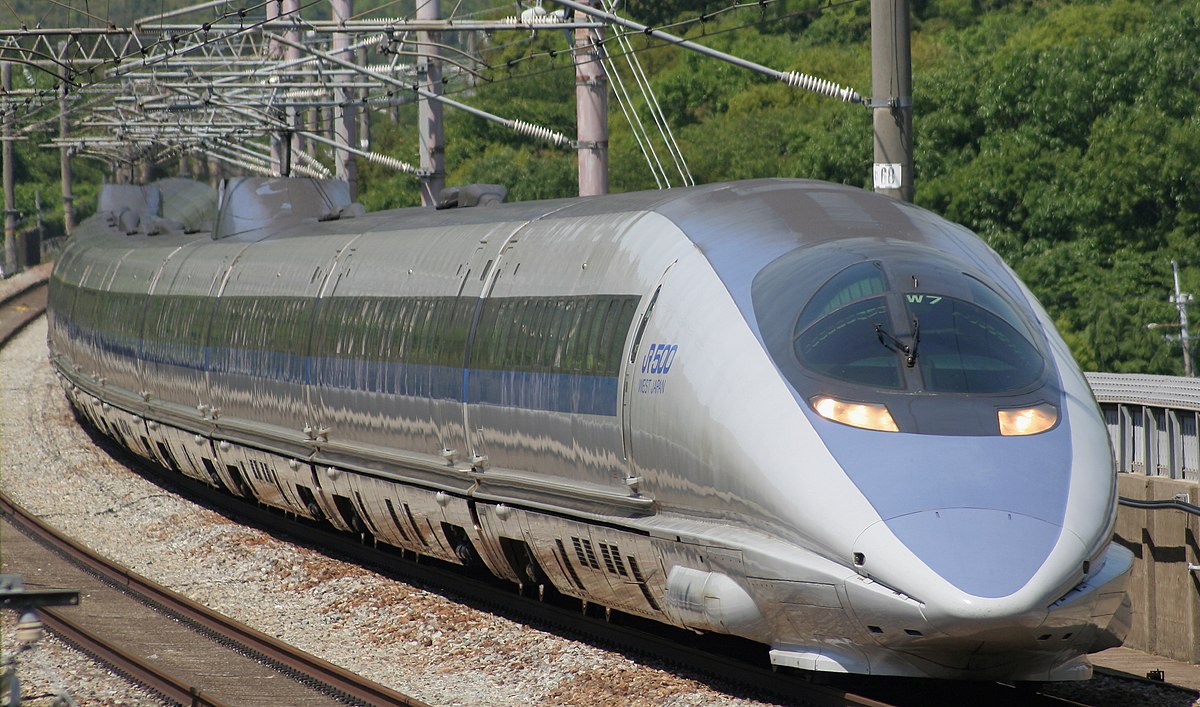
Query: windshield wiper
x,y
895,345
909,351
911,359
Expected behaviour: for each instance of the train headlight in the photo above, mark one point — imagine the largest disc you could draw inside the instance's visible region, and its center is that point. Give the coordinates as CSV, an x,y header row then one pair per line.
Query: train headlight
x,y
870,416
1027,421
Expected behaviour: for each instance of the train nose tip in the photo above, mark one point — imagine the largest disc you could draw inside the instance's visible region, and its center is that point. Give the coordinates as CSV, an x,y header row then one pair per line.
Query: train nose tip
x,y
985,553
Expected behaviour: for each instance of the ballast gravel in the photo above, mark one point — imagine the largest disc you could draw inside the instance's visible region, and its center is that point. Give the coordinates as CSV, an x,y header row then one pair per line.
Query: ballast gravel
x,y
403,636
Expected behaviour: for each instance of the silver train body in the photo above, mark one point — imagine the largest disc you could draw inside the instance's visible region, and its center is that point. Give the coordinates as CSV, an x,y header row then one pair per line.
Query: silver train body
x,y
792,411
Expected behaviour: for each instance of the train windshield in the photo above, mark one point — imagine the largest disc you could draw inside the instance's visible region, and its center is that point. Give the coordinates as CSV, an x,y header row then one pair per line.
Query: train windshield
x,y
934,331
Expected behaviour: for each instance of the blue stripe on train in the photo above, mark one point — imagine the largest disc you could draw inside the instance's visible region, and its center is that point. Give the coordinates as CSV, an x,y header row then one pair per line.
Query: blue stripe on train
x,y
529,390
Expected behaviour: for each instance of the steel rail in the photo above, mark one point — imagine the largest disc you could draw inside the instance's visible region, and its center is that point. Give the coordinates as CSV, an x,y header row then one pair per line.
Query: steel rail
x,y
272,649
676,648
126,664
22,299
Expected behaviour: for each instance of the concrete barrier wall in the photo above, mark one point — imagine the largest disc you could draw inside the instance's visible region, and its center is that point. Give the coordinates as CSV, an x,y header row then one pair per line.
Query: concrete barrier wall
x,y
1165,594
1153,424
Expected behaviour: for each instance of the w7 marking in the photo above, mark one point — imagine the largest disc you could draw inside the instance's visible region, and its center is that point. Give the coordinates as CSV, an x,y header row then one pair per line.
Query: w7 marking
x,y
924,299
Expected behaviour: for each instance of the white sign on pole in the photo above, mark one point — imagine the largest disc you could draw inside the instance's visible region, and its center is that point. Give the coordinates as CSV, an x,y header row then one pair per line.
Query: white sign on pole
x,y
887,176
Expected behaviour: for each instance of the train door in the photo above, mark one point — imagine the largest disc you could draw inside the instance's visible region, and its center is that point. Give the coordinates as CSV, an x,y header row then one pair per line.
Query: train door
x,y
633,369
455,318
478,281
156,289
210,286
316,424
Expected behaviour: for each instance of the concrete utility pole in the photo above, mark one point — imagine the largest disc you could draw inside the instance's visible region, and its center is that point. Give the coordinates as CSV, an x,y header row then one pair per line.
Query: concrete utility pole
x,y
10,199
1181,300
364,113
891,98
280,161
64,168
64,155
591,110
429,112
345,125
291,9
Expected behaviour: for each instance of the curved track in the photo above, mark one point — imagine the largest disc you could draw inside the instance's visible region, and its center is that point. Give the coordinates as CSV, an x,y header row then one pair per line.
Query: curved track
x,y
169,643
22,299
174,646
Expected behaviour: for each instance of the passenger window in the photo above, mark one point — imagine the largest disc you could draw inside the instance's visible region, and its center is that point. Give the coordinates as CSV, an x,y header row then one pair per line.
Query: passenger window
x,y
518,341
549,328
843,345
506,323
483,349
537,334
619,328
967,349
420,340
564,338
854,283
402,326
580,332
599,316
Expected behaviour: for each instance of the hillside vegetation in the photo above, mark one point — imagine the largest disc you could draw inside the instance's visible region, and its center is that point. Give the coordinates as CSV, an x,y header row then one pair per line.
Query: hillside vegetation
x,y
1065,133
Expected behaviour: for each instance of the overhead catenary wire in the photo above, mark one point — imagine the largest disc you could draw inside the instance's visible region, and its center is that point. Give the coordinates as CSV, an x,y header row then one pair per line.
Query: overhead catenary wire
x,y
205,48
519,126
181,11
615,34
312,162
278,124
792,78
685,22
141,51
702,18
652,105
635,127
660,119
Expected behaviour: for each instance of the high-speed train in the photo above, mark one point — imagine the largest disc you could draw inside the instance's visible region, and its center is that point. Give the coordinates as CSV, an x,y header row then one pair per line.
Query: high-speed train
x,y
797,412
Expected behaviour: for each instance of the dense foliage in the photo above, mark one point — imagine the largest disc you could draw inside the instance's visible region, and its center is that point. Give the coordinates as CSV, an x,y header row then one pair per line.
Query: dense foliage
x,y
1070,141
1065,133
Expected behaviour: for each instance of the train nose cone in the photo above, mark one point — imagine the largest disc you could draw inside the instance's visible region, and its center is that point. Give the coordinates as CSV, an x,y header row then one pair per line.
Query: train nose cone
x,y
984,553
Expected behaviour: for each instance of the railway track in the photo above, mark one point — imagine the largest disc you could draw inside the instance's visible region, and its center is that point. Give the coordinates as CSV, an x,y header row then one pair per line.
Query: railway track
x,y
720,661
165,641
22,299
176,647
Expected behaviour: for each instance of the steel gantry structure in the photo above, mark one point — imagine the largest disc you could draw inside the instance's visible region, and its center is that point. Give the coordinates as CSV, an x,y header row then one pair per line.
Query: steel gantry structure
x,y
241,85
283,87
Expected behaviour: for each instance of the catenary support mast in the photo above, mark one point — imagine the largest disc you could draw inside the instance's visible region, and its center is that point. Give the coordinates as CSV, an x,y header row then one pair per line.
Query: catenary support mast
x,y
10,213
891,98
429,112
591,110
344,115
